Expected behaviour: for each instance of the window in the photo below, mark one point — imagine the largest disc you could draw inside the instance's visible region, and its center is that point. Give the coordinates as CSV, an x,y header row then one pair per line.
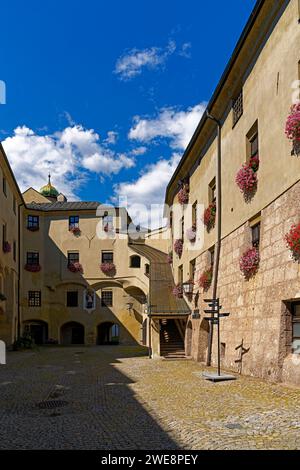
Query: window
x,y
33,258
180,274
4,186
115,332
252,142
237,107
255,235
14,205
72,298
33,221
212,191
147,269
107,298
108,221
14,250
212,256
34,298
73,257
73,221
194,214
192,269
296,327
107,257
135,262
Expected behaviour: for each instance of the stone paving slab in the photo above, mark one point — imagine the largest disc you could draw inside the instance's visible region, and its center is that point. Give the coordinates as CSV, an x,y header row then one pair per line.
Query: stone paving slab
x,y
117,398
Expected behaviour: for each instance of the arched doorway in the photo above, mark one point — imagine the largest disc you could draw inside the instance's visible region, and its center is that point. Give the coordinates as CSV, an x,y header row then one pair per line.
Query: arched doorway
x,y
72,333
38,330
188,339
108,333
203,341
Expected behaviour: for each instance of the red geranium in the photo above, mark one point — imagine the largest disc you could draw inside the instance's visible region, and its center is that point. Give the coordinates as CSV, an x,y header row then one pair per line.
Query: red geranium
x,y
293,240
75,230
33,268
205,279
183,195
249,262
246,177
108,268
209,218
75,267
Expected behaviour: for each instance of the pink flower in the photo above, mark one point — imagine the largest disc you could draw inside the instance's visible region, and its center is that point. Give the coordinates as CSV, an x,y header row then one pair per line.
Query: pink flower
x,y
33,268
183,195
246,179
108,268
292,127
75,267
178,247
191,233
178,291
249,262
209,218
205,279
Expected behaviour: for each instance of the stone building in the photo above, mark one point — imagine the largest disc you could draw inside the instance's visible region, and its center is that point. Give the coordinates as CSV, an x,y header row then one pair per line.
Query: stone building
x,y
251,102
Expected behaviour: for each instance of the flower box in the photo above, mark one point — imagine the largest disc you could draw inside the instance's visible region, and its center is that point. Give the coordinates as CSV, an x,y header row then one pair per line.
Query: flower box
x,y
75,267
178,247
33,229
205,279
178,291
75,230
108,268
191,233
249,263
209,217
6,247
292,128
292,239
246,177
33,268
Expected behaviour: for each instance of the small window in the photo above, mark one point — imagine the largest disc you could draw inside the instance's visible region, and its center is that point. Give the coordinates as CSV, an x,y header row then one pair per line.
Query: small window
x,y
255,234
14,250
72,298
14,205
237,107
147,269
107,298
252,142
194,214
33,221
4,186
135,262
33,258
212,191
73,221
296,327
115,332
212,256
107,257
180,274
34,298
73,257
192,269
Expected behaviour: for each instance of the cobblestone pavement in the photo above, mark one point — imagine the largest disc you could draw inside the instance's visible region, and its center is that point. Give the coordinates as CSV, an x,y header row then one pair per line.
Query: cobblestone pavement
x,y
116,398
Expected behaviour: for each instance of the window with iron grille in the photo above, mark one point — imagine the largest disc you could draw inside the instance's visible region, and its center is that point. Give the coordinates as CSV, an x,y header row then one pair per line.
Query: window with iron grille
x,y
107,298
255,233
33,221
107,257
73,221
34,298
72,298
296,327
73,257
33,258
237,107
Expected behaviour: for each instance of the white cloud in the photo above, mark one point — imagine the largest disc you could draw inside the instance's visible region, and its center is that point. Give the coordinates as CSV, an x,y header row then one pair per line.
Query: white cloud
x,y
185,50
139,150
148,189
177,126
135,60
69,155
111,138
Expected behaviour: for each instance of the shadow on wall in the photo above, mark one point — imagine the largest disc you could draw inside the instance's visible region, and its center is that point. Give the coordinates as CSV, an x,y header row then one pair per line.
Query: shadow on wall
x,y
77,325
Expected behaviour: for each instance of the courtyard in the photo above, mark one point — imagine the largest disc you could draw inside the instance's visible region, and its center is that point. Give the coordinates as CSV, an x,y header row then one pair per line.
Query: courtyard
x,y
114,397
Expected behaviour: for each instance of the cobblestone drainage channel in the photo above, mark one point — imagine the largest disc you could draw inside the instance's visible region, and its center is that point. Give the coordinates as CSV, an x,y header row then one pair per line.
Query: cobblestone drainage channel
x,y
50,404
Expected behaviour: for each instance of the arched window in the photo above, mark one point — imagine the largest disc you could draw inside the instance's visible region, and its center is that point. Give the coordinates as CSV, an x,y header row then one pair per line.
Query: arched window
x,y
135,261
115,332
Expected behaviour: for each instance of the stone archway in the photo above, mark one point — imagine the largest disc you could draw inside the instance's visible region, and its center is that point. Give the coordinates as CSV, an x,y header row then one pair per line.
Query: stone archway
x,y
108,333
38,330
203,341
188,338
72,333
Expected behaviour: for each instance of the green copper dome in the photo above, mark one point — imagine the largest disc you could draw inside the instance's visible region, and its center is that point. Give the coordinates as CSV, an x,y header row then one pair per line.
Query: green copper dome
x,y
48,190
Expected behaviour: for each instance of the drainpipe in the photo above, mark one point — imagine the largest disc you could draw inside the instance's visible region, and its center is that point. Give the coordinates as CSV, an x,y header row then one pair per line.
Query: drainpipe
x,y
19,271
218,232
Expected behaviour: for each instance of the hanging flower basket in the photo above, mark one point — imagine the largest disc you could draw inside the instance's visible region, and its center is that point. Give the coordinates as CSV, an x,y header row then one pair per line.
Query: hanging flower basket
x,y
249,263
246,178
75,267
178,247
178,291
108,268
33,268
183,195
209,218
205,279
293,241
292,128
191,233
6,247
75,230
170,258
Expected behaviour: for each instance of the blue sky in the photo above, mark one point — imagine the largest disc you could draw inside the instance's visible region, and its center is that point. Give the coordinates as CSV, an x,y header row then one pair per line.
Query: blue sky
x,y
106,95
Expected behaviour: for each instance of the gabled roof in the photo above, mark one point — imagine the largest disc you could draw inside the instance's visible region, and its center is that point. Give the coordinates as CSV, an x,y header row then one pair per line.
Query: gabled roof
x,y
64,206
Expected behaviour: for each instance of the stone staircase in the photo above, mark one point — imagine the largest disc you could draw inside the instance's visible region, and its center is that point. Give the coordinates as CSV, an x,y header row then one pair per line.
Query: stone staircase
x,y
171,342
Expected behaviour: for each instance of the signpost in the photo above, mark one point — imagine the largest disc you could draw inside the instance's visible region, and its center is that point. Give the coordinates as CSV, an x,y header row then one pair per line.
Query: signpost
x,y
214,319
